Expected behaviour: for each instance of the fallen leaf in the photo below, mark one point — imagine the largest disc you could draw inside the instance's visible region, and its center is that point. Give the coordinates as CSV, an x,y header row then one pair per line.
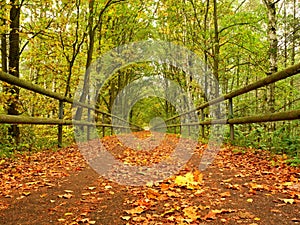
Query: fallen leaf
x,y
228,180
286,200
191,212
66,196
295,219
139,219
168,212
210,216
225,194
186,181
43,195
26,193
136,210
172,194
250,200
126,218
108,187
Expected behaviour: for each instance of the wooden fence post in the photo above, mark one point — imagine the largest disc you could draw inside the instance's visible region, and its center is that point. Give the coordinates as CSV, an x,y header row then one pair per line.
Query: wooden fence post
x,y
60,116
103,128
230,117
88,126
202,126
174,126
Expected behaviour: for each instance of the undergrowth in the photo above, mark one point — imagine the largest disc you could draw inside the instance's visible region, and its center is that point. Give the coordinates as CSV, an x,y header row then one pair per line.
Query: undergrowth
x,y
280,141
33,138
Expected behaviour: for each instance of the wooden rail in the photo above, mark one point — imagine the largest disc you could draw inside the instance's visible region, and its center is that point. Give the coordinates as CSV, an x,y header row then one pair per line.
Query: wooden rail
x,y
289,115
11,119
37,89
270,117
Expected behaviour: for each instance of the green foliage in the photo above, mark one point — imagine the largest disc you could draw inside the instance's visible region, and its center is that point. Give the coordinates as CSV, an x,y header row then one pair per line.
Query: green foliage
x,y
33,138
293,161
280,141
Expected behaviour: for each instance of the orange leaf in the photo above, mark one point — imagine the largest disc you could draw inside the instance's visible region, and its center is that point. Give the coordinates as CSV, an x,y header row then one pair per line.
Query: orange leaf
x,y
136,210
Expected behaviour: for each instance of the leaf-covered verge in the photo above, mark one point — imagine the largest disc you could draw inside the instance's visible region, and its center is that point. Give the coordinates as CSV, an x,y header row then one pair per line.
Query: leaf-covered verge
x,y
242,186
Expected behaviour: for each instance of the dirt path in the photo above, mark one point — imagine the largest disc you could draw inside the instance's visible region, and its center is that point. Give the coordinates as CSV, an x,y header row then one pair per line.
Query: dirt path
x,y
238,188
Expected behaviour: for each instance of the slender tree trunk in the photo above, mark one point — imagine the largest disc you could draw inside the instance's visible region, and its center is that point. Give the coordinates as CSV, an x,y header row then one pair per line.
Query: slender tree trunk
x,y
70,68
216,55
13,64
91,37
3,41
285,35
273,49
293,54
206,51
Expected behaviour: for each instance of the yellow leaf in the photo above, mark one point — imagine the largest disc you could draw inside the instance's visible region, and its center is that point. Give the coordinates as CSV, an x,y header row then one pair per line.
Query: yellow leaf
x,y
286,200
150,184
108,187
250,200
187,180
228,180
26,193
255,186
125,218
256,219
191,212
217,211
167,212
68,214
288,184
172,194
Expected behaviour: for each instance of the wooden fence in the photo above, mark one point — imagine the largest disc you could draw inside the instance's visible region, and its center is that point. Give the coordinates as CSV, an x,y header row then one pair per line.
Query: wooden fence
x,y
12,119
288,115
269,117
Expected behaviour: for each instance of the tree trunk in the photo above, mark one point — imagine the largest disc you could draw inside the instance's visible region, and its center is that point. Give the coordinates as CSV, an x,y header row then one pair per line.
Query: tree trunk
x,y
13,64
3,41
273,48
206,51
216,55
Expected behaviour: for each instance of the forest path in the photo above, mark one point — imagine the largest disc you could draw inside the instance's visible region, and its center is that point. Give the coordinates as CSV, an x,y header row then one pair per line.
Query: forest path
x,y
242,186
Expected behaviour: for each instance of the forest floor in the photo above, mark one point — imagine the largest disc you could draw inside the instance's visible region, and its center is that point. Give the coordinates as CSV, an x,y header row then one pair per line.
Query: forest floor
x,y
242,186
